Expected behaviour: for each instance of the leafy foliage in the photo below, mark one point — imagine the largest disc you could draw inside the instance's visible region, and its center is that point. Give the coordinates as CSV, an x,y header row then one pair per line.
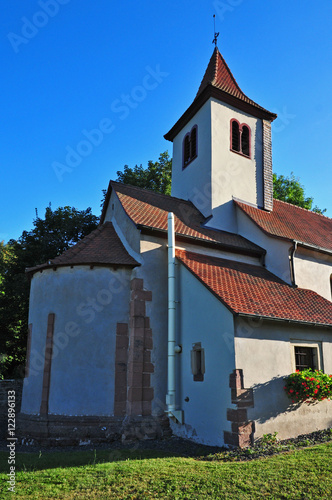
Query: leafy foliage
x,y
308,386
290,190
157,176
49,237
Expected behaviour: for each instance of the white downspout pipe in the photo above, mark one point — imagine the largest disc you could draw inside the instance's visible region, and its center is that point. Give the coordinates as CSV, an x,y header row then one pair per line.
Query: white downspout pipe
x,y
171,316
171,382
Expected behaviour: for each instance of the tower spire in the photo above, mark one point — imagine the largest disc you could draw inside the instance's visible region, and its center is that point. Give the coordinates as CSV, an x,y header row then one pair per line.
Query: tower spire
x,y
215,33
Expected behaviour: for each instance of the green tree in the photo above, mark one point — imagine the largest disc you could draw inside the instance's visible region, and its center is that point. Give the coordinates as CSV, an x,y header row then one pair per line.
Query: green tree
x,y
49,237
157,176
290,189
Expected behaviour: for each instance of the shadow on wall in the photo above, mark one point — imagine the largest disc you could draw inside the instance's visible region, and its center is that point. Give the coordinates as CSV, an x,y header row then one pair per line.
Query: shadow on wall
x,y
271,400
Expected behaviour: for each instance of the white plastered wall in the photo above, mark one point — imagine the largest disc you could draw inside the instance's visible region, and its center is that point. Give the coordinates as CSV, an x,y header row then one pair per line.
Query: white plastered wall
x,y
313,270
194,182
87,304
232,173
277,250
202,318
218,173
264,352
124,226
154,274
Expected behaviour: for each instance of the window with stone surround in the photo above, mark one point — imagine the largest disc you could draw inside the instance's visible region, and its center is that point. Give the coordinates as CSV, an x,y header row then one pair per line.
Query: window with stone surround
x,y
190,147
240,138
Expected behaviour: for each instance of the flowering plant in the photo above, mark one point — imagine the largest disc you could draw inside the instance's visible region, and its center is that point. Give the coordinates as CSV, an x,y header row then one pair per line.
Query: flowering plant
x,y
308,386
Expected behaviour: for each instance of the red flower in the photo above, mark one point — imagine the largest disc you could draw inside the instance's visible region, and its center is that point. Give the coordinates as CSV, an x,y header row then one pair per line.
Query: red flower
x,y
318,386
291,390
315,391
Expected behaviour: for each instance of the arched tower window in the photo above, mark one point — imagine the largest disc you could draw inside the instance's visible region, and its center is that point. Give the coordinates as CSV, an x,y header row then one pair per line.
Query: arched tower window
x,y
235,138
245,140
240,138
193,143
190,146
186,150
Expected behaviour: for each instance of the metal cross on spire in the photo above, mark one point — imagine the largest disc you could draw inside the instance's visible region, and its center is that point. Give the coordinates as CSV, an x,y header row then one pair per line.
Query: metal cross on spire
x,y
215,33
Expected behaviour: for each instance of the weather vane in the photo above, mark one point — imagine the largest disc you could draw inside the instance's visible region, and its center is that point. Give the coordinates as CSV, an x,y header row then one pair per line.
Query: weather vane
x,y
215,33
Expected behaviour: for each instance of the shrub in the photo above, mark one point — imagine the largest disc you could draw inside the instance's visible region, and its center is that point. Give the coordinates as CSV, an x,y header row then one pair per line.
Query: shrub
x,y
308,386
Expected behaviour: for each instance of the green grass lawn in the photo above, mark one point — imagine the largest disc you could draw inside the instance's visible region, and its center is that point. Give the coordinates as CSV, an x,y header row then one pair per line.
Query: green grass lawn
x,y
300,474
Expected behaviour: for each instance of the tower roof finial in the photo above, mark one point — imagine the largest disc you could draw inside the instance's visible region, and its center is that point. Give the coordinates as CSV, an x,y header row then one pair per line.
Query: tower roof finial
x,y
215,33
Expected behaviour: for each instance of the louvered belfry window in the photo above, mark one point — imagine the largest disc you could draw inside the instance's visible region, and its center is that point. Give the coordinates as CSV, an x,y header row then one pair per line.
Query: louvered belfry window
x,y
235,136
186,149
240,138
245,136
190,147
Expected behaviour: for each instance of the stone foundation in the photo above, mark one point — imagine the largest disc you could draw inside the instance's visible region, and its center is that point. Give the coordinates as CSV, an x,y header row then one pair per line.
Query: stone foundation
x,y
60,430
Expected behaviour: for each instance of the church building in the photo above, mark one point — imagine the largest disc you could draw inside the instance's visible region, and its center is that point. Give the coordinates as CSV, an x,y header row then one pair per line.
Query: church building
x,y
183,314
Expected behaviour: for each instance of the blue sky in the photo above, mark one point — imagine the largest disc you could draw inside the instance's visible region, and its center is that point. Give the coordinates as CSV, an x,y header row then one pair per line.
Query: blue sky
x,y
129,70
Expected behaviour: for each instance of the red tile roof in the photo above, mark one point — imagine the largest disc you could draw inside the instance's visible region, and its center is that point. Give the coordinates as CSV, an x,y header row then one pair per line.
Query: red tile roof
x,y
101,247
149,209
252,290
220,76
219,83
292,222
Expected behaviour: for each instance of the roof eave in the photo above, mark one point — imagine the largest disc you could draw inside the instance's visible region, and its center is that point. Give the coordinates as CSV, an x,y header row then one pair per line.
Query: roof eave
x,y
32,270
314,248
284,320
212,91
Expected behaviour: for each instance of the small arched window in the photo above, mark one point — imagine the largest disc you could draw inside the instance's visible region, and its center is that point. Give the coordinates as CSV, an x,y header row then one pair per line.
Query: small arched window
x,y
186,152
235,136
240,138
245,140
190,146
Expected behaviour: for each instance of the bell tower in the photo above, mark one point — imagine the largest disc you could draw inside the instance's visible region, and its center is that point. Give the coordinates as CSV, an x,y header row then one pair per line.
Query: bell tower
x,y
222,149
